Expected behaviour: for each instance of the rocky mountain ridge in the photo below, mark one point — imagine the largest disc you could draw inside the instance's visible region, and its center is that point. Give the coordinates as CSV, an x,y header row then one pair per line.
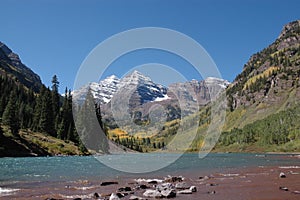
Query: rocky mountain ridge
x,y
11,64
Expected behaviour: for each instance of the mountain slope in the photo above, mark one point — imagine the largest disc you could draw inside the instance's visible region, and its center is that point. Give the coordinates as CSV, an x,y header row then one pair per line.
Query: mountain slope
x,y
11,65
263,102
269,81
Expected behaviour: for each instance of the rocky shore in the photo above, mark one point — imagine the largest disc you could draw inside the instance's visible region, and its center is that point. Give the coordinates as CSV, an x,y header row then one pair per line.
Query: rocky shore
x,y
280,182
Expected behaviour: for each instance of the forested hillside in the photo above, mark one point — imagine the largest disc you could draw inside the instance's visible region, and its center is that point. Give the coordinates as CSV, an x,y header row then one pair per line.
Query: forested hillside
x,y
33,121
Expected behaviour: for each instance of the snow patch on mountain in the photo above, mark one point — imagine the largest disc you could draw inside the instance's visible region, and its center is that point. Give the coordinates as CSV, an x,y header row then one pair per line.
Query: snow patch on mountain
x,y
165,97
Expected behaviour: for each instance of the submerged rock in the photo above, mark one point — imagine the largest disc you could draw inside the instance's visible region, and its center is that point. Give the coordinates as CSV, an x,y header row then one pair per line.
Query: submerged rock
x,y
283,188
212,192
109,183
125,189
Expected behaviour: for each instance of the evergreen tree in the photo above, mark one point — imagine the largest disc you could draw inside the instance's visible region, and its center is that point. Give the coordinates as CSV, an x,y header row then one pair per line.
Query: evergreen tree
x,y
64,123
55,99
89,128
38,109
1,132
10,116
46,122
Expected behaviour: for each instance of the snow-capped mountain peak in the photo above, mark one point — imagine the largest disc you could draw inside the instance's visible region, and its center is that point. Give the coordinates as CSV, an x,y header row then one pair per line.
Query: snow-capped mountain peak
x,y
104,91
216,81
145,90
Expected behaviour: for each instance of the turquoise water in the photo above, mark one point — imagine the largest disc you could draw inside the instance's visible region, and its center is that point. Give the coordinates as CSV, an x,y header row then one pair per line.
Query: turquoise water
x,y
75,167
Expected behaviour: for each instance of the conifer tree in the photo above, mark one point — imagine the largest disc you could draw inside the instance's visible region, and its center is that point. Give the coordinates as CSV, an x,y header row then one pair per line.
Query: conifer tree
x,y
89,128
46,118
1,132
10,116
55,99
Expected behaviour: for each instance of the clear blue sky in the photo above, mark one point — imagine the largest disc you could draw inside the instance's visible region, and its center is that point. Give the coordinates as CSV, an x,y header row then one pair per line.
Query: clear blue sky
x,y
54,37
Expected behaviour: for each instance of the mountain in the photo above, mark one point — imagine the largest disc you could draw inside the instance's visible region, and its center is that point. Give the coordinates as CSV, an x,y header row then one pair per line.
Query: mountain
x,y
263,103
269,81
263,100
198,91
11,65
145,90
142,93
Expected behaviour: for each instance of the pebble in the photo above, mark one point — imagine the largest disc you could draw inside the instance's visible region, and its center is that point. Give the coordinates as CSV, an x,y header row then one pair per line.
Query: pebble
x,y
109,183
168,193
193,188
282,175
136,198
284,188
185,192
114,197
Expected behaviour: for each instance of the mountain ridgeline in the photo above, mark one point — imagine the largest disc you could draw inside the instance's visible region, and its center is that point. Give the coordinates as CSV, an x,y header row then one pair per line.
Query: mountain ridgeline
x,y
12,66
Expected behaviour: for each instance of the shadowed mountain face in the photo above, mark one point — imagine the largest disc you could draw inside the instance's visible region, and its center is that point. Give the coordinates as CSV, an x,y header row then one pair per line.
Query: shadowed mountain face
x,y
11,65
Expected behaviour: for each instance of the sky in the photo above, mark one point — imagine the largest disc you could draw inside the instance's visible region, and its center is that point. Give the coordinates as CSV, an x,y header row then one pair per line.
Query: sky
x,y
55,36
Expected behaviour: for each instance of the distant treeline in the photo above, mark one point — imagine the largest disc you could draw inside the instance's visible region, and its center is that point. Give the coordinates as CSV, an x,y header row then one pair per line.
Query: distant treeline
x,y
275,129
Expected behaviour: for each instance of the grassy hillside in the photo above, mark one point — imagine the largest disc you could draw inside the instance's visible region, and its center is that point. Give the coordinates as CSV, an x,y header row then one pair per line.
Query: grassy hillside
x,y
30,143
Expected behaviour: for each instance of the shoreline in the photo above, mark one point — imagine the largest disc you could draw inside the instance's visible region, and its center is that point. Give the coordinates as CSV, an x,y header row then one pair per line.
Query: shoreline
x,y
244,183
188,152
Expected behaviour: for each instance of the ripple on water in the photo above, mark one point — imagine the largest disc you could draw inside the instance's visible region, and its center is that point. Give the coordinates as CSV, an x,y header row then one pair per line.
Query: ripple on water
x,y
7,191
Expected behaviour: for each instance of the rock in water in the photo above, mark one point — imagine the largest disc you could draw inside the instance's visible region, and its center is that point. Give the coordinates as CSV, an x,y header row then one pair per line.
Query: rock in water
x,y
284,188
185,192
109,183
168,193
125,189
282,175
143,187
182,185
165,186
114,197
152,194
96,195
193,188
136,198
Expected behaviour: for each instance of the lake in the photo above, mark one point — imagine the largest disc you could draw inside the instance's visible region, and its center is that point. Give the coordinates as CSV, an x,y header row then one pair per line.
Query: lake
x,y
16,173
